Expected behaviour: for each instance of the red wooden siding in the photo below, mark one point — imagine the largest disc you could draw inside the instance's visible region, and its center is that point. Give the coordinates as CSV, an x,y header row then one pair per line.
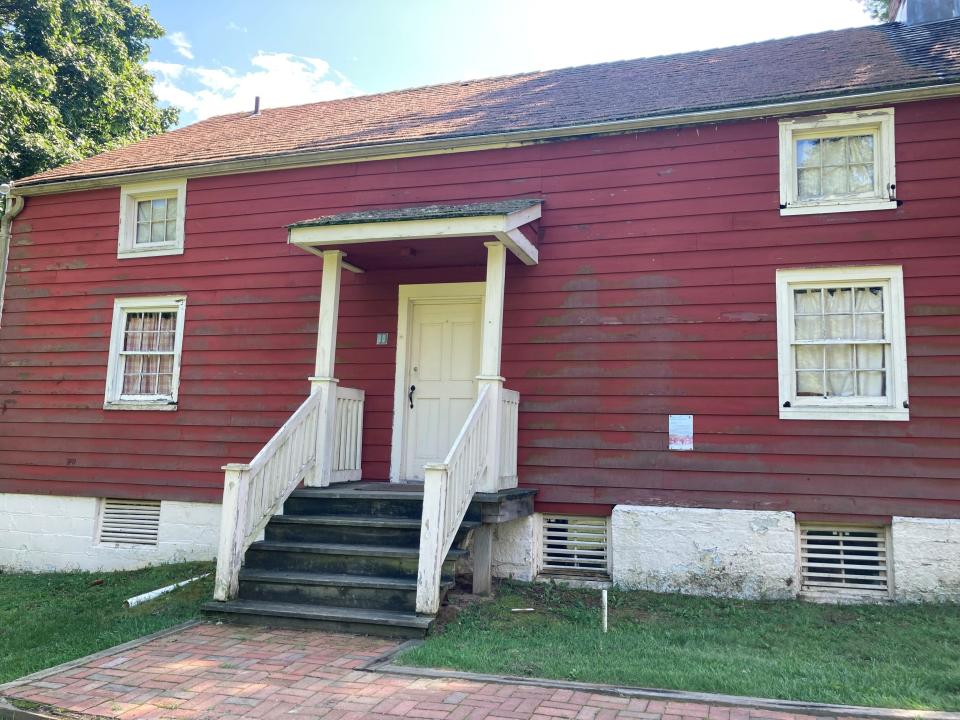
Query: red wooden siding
x,y
654,295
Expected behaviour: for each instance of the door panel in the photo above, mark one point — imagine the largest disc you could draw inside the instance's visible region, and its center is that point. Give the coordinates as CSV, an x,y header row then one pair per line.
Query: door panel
x,y
443,365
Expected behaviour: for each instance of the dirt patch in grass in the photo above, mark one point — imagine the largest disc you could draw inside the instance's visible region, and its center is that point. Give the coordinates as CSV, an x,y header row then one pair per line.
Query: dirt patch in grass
x,y
900,656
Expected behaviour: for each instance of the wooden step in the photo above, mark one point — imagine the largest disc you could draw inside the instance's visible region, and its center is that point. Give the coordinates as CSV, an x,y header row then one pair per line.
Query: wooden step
x,y
340,558
331,589
337,619
351,529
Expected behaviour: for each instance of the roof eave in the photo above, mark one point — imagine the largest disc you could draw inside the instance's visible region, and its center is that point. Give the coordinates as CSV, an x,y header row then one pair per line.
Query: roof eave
x,y
483,142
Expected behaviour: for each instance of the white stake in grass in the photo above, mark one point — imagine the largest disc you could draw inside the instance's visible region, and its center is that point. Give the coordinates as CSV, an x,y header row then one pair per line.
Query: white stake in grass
x,y
603,602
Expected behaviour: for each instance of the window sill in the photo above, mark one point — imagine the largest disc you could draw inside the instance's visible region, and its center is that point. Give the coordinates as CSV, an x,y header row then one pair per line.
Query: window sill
x,y
127,253
167,406
844,413
837,207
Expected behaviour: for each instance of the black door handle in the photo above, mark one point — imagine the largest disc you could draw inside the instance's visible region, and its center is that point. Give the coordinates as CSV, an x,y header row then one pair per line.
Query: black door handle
x,y
410,395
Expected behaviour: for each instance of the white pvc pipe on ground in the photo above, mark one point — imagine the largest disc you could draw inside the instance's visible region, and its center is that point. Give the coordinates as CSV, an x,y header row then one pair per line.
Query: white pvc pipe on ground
x,y
137,599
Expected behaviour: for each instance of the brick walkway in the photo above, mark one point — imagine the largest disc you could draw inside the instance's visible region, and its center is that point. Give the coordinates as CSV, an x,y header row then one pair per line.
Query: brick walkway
x,y
223,672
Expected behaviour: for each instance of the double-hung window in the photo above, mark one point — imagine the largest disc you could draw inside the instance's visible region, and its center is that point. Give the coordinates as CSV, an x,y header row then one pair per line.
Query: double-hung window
x,y
837,163
144,366
152,218
842,343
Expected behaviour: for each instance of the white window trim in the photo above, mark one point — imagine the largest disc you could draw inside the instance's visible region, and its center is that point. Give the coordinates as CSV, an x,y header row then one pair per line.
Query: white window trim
x,y
130,195
896,406
112,398
880,122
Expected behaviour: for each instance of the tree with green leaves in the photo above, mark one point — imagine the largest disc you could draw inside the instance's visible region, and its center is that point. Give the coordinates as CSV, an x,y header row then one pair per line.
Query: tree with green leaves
x,y
877,9
72,81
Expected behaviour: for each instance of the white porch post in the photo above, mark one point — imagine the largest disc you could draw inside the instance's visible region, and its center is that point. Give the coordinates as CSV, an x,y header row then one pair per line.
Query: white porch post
x,y
490,356
323,380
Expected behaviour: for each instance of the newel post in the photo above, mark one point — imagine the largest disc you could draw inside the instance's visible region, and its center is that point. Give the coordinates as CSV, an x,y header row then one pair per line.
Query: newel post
x,y
432,532
323,380
490,358
233,530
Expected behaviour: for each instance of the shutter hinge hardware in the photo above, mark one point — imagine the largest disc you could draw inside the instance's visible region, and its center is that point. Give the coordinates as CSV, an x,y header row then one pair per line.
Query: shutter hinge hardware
x,y
787,404
906,404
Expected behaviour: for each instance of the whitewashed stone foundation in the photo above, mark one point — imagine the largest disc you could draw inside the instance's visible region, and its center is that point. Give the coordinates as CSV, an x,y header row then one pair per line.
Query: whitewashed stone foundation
x,y
729,553
926,559
516,548
47,533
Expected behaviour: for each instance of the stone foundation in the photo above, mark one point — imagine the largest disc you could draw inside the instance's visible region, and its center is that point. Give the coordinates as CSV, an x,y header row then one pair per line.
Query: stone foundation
x,y
926,559
42,533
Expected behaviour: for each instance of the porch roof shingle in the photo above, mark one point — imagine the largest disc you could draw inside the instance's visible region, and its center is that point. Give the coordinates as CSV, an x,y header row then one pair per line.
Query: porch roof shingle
x,y
809,67
421,212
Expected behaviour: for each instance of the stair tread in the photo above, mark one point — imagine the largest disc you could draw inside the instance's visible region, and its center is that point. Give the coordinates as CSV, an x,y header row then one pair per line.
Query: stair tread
x,y
320,612
354,493
337,579
346,549
358,520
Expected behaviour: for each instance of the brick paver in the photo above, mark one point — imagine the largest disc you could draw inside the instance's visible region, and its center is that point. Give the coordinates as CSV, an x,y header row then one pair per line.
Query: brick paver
x,y
225,672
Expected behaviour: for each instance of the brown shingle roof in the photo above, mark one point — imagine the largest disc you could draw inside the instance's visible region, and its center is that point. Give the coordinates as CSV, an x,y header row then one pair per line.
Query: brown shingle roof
x,y
875,58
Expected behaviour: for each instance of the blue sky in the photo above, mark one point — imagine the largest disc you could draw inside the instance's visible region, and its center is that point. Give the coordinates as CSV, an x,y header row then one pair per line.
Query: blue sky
x,y
218,55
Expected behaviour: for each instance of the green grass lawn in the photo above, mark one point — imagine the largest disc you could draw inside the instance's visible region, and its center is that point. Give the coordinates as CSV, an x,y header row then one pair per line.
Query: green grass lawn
x,y
50,618
898,656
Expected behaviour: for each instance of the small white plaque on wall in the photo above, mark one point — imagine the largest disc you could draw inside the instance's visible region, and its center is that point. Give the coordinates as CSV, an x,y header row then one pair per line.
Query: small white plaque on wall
x,y
681,432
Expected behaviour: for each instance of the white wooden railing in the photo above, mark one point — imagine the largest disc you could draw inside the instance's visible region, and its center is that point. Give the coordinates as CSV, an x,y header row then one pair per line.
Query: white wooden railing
x,y
509,414
448,488
254,492
348,437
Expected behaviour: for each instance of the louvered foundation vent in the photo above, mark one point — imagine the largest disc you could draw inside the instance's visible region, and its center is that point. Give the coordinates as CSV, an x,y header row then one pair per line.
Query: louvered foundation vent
x,y
575,546
129,522
838,562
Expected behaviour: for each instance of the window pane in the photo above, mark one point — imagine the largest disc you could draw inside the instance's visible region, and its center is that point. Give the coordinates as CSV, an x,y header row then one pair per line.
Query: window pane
x,y
808,183
860,149
839,357
838,300
809,383
838,327
143,233
834,151
834,181
860,178
807,302
870,327
840,384
165,375
159,208
143,211
809,327
870,357
132,367
133,335
167,331
869,299
872,383
171,235
808,153
171,208
809,357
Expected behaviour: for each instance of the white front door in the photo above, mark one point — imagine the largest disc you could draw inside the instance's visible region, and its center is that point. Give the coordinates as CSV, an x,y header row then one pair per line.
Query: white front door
x,y
441,372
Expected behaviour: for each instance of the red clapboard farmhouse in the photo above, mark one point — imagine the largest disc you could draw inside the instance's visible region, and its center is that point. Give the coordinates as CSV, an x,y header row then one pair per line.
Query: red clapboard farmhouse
x,y
687,323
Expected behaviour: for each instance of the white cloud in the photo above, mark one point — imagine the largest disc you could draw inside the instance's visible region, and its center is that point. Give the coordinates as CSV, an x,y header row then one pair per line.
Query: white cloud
x,y
181,45
233,26
278,78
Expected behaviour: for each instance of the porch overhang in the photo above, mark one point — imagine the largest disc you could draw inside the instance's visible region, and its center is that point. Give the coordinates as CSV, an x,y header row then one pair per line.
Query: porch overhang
x,y
508,221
